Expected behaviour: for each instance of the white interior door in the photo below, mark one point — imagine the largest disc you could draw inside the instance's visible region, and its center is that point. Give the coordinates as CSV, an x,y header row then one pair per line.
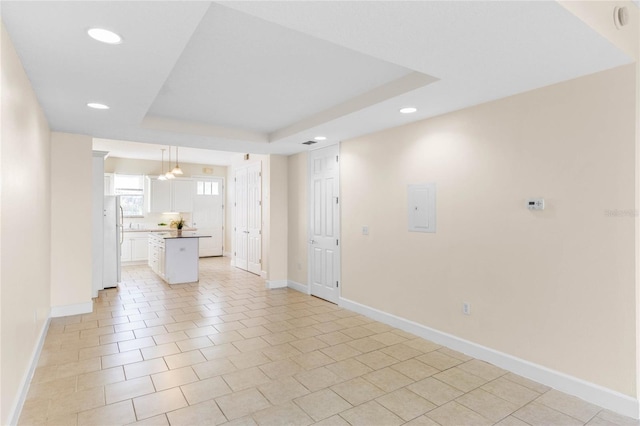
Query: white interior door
x,y
254,218
324,223
241,233
208,214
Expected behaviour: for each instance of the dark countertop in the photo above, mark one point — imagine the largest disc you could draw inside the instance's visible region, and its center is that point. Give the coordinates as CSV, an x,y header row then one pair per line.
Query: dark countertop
x,y
173,235
156,230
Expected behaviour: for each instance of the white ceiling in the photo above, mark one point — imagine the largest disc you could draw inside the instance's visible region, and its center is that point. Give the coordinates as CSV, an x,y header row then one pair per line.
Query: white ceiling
x,y
263,76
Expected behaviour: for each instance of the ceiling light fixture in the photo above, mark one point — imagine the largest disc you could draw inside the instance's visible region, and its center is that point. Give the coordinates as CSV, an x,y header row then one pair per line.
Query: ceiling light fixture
x,y
309,142
104,36
169,175
320,138
162,176
177,170
408,110
95,105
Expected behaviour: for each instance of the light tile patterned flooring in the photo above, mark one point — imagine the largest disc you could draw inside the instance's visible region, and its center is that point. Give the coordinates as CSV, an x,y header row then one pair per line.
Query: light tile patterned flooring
x,y
228,350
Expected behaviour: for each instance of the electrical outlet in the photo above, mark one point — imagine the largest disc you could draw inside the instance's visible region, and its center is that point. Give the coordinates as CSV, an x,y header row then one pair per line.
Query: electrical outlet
x,y
466,308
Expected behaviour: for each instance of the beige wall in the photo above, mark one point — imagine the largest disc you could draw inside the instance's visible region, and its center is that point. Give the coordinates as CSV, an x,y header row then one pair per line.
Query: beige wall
x,y
71,224
278,219
554,287
25,223
297,215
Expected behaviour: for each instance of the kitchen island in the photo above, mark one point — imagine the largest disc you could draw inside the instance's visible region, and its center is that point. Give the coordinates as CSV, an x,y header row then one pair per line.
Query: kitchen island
x,y
175,258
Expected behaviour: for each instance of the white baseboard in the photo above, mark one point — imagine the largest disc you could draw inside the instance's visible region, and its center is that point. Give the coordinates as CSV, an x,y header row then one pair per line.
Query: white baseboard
x,y
66,310
227,254
276,284
590,392
263,274
14,414
302,288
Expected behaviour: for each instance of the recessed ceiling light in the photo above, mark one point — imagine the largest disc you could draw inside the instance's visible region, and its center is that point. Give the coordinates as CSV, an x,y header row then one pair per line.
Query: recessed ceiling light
x,y
104,36
97,106
320,138
408,110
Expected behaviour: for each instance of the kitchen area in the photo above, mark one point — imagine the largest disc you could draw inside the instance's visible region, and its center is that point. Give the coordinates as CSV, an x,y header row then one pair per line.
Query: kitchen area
x,y
144,199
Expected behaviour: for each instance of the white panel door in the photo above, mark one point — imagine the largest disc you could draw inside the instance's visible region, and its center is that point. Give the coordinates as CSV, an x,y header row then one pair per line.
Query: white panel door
x,y
324,223
208,215
254,218
241,233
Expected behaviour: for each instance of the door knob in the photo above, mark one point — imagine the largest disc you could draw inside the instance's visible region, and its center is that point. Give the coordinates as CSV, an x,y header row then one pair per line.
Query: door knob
x,y
312,242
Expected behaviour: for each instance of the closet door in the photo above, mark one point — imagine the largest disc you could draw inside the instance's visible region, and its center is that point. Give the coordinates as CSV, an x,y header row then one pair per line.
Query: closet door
x,y
241,232
254,218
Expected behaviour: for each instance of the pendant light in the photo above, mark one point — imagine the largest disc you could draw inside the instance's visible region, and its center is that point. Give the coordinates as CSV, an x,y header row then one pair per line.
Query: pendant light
x,y
162,176
177,170
169,175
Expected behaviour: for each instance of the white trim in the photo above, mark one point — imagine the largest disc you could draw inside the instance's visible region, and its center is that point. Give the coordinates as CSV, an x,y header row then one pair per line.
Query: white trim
x,y
66,310
16,410
590,392
276,284
263,275
302,288
228,254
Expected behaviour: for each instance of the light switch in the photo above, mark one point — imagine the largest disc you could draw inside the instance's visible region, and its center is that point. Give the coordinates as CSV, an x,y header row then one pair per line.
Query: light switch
x,y
365,230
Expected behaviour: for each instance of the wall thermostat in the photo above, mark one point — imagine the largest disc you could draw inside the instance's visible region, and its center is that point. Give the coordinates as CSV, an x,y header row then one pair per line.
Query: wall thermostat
x,y
535,203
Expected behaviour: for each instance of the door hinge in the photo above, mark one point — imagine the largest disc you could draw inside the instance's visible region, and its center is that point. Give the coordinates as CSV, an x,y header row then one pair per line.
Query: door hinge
x,y
260,174
234,253
336,241
337,198
260,232
235,204
337,159
259,203
337,284
235,179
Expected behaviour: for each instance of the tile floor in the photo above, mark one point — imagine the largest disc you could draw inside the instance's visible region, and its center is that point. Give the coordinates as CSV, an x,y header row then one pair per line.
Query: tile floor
x,y
228,351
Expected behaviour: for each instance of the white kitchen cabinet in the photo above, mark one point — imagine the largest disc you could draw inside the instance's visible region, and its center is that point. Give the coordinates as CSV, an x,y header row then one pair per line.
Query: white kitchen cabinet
x,y
175,260
159,195
139,248
134,247
170,195
182,193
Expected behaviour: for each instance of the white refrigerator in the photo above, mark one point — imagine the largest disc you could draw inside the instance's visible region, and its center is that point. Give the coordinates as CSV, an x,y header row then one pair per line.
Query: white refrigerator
x,y
113,235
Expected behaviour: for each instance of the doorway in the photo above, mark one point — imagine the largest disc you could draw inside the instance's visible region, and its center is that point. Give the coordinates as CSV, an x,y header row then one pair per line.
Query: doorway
x,y
248,218
208,215
324,223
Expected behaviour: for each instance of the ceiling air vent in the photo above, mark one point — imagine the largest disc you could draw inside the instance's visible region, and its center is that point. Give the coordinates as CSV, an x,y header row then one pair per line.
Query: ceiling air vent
x,y
309,142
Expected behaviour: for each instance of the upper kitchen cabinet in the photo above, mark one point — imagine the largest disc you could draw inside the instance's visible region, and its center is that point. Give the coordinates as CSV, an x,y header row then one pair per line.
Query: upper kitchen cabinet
x,y
170,195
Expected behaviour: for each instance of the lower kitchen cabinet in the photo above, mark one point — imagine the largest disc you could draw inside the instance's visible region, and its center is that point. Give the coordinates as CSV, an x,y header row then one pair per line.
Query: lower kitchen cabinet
x,y
175,260
134,247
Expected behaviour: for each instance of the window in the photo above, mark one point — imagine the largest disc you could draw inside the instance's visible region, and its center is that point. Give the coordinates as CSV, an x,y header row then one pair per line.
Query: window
x,y
207,188
130,188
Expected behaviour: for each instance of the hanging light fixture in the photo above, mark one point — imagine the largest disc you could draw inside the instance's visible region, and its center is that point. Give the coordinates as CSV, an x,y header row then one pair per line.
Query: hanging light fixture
x,y
177,170
169,175
162,176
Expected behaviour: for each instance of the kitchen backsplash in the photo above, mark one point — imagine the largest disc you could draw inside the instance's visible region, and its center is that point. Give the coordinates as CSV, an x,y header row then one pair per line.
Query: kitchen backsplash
x,y
152,220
